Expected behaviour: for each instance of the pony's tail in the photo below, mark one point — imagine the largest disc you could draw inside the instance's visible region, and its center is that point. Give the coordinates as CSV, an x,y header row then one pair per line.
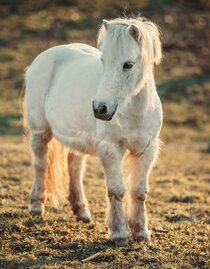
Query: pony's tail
x,y
56,178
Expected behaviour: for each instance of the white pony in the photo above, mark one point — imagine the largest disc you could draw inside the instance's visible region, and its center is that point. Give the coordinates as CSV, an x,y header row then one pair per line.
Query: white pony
x,y
97,101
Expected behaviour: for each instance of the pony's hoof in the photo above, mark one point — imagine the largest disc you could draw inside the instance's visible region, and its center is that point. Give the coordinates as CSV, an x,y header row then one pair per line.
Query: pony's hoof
x,y
36,210
84,216
84,219
120,242
120,238
142,235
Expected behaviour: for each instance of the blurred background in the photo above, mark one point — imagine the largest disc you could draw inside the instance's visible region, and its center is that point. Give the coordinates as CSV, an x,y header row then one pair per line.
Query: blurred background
x,y
178,203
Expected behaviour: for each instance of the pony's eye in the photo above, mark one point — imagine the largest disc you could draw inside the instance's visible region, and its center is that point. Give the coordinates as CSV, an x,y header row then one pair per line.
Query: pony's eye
x,y
128,65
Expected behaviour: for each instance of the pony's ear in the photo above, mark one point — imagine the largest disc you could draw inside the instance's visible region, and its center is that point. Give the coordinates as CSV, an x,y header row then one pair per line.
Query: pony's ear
x,y
106,24
134,31
101,33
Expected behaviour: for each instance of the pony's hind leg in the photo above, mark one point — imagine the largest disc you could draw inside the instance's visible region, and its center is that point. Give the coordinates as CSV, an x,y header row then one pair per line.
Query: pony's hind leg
x,y
140,167
38,141
76,193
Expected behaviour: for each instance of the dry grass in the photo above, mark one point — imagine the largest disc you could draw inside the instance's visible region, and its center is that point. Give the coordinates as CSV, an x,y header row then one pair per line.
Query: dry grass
x,y
177,206
178,203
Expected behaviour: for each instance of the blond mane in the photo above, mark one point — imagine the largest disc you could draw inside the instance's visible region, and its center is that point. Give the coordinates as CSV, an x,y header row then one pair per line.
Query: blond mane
x,y
149,44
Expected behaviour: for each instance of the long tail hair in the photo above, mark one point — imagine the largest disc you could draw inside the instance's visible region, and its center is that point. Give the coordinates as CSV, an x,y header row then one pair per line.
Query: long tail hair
x,y
56,178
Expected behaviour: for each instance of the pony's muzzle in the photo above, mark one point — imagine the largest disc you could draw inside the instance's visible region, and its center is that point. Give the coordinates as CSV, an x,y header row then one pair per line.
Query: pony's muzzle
x,y
102,111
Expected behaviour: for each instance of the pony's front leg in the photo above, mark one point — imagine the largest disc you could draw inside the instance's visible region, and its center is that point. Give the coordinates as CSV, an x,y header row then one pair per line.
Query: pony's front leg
x,y
111,156
38,141
139,168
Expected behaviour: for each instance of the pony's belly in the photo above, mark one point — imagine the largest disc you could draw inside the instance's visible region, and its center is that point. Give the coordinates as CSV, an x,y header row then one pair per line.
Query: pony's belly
x,y
71,125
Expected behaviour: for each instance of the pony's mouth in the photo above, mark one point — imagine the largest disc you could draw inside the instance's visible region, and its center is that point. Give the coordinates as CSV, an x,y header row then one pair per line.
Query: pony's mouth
x,y
105,117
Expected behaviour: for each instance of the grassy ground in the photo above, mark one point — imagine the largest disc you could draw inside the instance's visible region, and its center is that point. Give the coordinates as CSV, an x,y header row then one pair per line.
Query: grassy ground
x,y
178,203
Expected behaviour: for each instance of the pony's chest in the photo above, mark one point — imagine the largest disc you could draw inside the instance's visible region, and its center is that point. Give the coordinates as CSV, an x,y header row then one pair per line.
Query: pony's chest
x,y
132,135
137,137
139,130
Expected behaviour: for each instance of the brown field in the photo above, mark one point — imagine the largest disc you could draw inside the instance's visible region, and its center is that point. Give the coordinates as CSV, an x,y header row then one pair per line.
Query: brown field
x,y
178,202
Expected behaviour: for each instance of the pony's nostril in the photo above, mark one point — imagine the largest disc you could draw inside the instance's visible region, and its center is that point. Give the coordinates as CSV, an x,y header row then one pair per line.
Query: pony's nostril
x,y
102,109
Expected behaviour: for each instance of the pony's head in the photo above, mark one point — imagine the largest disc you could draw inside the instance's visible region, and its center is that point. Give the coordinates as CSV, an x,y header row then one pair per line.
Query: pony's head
x,y
130,48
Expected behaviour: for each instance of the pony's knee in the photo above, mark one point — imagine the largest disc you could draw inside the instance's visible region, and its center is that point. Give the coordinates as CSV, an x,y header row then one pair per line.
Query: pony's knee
x,y
116,192
139,195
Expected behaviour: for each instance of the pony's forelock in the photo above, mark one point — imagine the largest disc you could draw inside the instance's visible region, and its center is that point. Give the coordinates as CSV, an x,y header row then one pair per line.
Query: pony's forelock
x,y
149,35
